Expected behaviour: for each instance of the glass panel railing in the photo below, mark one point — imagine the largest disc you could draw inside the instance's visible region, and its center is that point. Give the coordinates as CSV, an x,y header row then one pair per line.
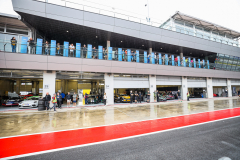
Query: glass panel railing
x,y
113,54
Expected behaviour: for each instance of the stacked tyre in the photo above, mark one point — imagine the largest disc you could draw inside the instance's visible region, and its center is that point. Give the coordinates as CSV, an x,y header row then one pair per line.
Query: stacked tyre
x,y
41,105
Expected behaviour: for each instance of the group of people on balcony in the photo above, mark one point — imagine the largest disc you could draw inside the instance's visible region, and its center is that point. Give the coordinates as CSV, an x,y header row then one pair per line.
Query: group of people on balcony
x,y
95,55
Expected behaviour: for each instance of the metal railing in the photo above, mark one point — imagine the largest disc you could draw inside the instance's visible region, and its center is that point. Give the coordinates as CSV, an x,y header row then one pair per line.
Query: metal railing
x,y
113,54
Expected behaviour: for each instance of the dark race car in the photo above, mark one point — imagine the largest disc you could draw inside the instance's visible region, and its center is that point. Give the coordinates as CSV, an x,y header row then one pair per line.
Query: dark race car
x,y
11,101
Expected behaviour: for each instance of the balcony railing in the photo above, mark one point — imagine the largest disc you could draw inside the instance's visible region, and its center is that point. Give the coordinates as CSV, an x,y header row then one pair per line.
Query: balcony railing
x,y
117,54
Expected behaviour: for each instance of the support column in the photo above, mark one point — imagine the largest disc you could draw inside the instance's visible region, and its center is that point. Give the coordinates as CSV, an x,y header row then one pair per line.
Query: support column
x,y
152,86
209,88
18,85
184,88
63,85
181,52
49,82
37,87
229,87
108,44
34,85
150,52
108,77
97,86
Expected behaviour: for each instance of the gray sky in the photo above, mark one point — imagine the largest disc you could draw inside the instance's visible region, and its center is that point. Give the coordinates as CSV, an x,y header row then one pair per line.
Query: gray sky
x,y
222,12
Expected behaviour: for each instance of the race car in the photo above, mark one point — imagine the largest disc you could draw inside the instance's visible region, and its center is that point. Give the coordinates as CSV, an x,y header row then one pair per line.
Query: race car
x,y
170,97
121,98
11,102
31,102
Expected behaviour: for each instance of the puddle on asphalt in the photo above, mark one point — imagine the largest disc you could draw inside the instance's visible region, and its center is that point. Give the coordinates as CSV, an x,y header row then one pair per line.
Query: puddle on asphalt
x,y
35,122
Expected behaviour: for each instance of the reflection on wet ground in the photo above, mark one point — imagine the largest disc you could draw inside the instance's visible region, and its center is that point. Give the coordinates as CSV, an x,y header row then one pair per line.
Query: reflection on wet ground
x,y
37,122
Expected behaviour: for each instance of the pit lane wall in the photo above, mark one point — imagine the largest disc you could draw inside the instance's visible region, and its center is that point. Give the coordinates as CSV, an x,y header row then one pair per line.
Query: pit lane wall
x,y
54,63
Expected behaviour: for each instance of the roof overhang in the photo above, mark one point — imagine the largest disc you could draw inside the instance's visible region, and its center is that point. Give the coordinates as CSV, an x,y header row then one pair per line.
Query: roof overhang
x,y
211,26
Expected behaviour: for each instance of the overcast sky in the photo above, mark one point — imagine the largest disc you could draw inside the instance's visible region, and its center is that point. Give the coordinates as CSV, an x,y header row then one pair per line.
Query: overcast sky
x,y
222,12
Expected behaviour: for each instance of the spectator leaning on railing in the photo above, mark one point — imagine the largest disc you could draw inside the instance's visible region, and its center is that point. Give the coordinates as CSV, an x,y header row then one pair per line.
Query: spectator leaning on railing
x,y
13,44
31,46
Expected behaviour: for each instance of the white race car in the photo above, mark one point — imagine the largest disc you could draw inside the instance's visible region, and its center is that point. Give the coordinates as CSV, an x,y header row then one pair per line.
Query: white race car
x,y
31,102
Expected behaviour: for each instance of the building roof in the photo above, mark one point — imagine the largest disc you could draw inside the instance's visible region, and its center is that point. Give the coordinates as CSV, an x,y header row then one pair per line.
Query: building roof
x,y
10,19
199,22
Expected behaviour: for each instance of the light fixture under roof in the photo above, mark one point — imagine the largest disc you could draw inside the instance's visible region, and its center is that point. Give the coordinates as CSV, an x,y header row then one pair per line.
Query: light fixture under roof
x,y
121,41
96,36
142,45
161,48
67,31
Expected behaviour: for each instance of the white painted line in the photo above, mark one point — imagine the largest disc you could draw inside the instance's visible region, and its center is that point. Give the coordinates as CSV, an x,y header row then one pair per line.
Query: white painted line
x,y
112,124
113,140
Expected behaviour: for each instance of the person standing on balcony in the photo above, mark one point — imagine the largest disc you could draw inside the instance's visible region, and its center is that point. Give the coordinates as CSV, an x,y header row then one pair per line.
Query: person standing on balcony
x,y
123,55
71,49
31,46
106,54
126,56
155,57
148,58
46,46
94,53
163,59
176,61
84,51
13,44
58,48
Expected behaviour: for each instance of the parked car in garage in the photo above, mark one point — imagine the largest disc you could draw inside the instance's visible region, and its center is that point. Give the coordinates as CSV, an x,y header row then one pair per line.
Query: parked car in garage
x,y
93,99
120,98
170,97
14,101
162,99
31,102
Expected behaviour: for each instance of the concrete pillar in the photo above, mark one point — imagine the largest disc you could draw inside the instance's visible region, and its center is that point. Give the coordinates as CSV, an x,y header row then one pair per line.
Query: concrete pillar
x,y
49,82
150,52
181,52
184,88
63,81
18,85
229,87
209,88
37,87
97,86
109,87
34,85
152,86
92,87
108,44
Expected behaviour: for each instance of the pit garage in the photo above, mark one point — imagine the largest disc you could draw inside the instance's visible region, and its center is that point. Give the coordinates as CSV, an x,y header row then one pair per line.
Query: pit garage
x,y
80,83
123,84
219,87
169,85
197,87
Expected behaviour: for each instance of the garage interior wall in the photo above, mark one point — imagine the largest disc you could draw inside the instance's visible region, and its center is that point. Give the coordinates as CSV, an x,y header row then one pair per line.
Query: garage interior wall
x,y
5,85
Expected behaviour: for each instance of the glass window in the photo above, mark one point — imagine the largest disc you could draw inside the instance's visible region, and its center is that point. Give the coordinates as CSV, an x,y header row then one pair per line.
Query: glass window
x,y
189,25
179,22
179,29
199,34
